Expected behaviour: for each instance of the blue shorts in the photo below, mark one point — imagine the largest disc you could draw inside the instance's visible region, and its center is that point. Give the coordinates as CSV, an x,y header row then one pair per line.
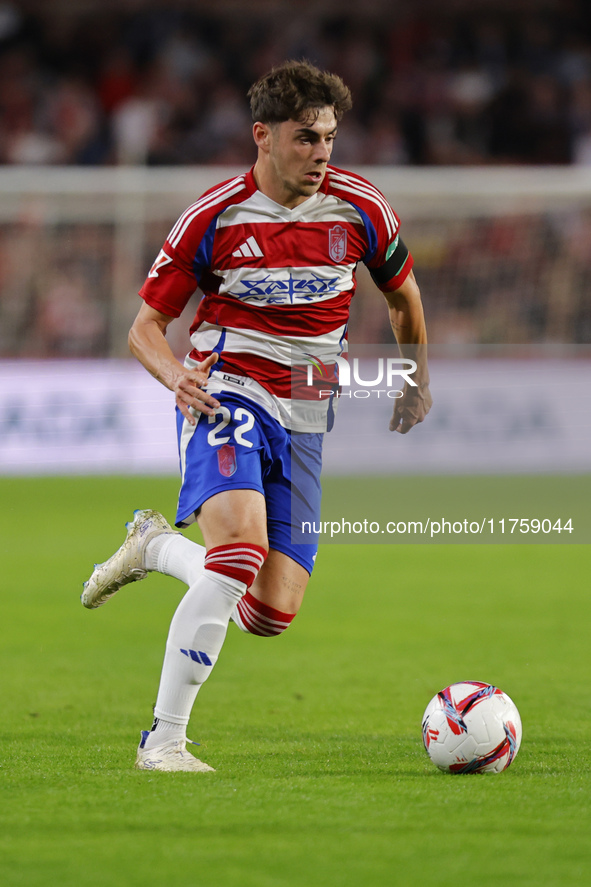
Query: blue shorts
x,y
243,448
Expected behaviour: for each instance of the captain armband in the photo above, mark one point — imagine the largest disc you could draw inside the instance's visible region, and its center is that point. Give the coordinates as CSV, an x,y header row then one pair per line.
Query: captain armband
x,y
395,269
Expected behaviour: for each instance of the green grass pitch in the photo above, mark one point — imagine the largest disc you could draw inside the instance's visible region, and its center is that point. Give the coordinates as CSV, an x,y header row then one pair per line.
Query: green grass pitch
x,y
321,774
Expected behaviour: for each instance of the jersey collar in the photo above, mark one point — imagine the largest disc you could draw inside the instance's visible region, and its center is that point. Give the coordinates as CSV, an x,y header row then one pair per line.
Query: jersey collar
x,y
251,187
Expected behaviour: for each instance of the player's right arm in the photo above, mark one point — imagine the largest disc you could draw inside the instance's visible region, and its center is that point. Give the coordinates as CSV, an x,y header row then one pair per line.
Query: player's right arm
x,y
147,342
172,280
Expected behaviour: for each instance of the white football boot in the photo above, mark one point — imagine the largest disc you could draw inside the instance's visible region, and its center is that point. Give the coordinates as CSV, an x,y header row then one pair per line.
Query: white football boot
x,y
128,563
171,756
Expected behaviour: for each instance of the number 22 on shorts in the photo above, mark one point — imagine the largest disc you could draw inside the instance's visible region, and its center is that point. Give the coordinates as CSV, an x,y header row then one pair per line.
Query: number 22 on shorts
x,y
244,422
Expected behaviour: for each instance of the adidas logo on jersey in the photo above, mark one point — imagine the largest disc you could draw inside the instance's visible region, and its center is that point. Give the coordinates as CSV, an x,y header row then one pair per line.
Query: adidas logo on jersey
x,y
248,249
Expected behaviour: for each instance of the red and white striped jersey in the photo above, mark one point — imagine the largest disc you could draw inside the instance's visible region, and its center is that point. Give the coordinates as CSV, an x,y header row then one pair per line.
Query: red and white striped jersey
x,y
276,282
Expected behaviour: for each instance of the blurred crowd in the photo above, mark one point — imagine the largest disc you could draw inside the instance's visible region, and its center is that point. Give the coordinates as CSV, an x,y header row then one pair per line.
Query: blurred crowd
x,y
485,279
164,83
148,82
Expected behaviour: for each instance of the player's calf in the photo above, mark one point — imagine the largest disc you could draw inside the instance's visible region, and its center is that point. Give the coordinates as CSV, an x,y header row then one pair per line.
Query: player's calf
x,y
238,560
254,617
195,639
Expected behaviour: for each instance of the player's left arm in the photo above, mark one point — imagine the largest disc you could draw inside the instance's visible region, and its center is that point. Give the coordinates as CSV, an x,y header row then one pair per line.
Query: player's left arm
x,y
408,325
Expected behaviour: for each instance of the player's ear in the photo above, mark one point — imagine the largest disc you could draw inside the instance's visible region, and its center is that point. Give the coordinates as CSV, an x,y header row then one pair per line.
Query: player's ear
x,y
261,133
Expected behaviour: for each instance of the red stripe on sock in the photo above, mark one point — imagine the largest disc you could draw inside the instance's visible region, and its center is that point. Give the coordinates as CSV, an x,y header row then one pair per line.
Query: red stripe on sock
x,y
240,560
260,619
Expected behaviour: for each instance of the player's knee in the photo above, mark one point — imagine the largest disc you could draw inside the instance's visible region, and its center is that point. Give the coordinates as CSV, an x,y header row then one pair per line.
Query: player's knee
x,y
254,617
240,560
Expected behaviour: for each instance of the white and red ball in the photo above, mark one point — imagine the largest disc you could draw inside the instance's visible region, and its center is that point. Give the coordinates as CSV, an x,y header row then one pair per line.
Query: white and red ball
x,y
472,727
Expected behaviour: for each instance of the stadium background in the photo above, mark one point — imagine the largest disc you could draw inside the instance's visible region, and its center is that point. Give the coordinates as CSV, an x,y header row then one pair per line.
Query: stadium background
x,y
148,85
475,120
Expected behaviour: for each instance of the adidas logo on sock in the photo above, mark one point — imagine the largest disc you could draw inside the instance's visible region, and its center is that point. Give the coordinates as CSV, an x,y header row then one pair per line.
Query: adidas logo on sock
x,y
248,249
198,656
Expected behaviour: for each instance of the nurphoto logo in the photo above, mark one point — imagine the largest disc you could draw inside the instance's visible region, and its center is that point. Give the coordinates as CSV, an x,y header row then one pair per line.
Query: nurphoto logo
x,y
343,374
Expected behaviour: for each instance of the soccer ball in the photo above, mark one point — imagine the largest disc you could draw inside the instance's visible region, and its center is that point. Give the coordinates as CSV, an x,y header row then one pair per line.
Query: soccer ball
x,y
471,727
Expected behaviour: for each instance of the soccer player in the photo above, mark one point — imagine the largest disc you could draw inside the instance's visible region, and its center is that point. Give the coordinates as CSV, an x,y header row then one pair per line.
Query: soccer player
x,y
274,252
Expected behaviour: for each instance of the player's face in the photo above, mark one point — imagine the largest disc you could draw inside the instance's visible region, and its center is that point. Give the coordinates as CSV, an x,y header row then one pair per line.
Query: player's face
x,y
296,153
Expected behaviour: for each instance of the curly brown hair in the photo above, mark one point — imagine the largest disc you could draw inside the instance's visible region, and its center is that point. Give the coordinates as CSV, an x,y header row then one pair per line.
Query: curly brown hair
x,y
297,90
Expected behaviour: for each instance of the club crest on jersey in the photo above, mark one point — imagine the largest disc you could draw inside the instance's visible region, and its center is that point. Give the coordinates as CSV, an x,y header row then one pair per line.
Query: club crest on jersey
x,y
227,460
337,243
160,262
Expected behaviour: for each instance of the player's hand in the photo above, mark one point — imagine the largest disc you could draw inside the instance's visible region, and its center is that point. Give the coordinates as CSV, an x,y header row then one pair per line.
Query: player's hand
x,y
411,408
189,393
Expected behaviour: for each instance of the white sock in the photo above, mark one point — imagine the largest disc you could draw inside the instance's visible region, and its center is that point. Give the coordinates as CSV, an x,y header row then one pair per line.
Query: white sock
x,y
165,731
180,558
176,556
196,636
